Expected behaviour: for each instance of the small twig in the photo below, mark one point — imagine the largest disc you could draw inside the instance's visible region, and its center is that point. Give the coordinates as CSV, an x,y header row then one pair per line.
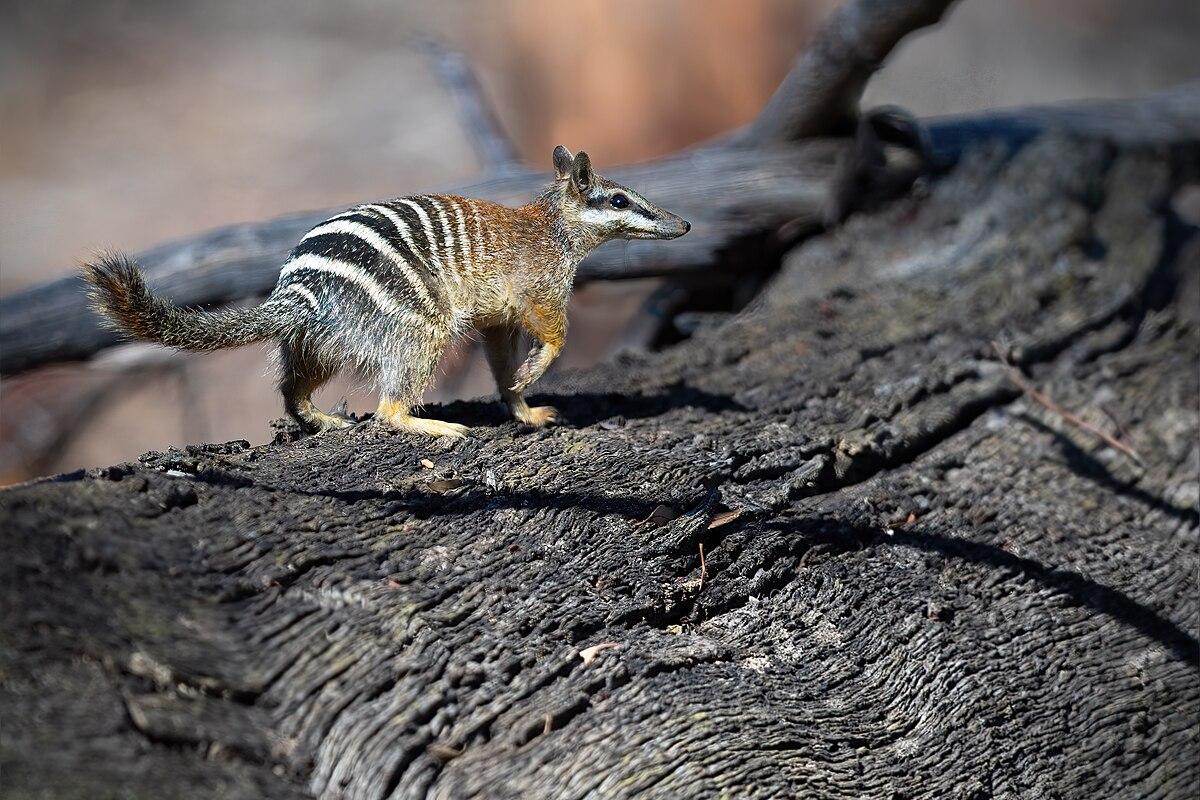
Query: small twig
x,y
703,568
588,654
1070,418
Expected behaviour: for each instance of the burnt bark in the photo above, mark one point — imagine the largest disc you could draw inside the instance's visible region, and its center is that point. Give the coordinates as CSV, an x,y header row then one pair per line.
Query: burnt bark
x,y
839,552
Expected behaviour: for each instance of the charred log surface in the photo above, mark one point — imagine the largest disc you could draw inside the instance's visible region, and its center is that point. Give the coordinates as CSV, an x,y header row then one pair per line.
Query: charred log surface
x,y
826,548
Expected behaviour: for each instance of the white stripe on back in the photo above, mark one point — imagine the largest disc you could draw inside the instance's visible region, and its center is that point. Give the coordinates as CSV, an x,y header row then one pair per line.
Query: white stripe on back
x,y
463,236
371,237
447,236
427,226
401,226
479,249
349,272
303,291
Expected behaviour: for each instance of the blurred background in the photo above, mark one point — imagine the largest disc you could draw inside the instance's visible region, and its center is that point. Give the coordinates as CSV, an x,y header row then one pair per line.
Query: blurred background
x,y
125,124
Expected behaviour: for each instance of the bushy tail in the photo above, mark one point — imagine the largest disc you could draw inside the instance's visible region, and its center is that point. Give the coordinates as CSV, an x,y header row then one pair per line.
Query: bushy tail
x,y
119,292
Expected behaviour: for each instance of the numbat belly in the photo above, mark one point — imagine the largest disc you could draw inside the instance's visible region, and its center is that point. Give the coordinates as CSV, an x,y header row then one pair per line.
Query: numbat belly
x,y
384,287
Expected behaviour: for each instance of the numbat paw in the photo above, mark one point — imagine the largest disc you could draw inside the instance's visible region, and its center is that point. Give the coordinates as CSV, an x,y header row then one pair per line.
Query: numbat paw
x,y
540,416
428,427
319,423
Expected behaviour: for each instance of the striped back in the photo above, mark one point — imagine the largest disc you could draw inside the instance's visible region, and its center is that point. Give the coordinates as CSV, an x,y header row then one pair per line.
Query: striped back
x,y
412,255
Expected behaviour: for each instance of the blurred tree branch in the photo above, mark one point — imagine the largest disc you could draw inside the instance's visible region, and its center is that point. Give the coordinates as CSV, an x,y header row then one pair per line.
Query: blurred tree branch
x,y
492,145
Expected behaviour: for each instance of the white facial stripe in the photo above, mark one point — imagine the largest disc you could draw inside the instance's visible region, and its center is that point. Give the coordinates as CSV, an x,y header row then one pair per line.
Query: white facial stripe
x,y
348,272
360,231
598,216
641,223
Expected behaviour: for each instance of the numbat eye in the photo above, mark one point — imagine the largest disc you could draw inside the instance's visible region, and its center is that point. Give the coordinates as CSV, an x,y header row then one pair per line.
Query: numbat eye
x,y
619,201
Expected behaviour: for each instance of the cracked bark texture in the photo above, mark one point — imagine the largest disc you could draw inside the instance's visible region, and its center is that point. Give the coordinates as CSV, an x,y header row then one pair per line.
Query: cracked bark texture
x,y
915,583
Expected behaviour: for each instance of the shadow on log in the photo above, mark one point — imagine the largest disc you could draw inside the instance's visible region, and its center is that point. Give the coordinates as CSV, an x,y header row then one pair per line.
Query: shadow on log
x,y
914,583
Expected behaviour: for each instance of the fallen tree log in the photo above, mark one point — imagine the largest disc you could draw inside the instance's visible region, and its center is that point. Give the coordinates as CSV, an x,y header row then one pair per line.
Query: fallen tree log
x,y
827,548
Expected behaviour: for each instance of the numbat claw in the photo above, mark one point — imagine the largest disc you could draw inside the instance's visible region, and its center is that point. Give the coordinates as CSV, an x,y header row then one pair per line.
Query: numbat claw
x,y
341,410
539,416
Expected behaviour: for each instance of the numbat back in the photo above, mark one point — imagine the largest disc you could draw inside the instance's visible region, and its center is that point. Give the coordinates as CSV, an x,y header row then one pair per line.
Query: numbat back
x,y
384,287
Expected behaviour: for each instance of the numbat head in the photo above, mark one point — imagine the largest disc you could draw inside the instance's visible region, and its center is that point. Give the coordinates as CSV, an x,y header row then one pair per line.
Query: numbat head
x,y
595,209
384,287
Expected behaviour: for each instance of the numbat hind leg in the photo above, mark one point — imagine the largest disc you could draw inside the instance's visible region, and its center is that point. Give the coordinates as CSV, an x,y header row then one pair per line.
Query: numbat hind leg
x,y
406,375
395,414
299,379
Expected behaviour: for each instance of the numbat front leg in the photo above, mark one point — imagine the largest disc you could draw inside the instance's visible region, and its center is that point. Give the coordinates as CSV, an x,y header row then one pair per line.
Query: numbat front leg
x,y
501,347
548,326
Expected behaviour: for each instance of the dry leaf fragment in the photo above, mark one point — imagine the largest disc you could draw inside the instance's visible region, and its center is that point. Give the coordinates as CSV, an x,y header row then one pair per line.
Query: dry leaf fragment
x,y
444,752
661,515
426,463
588,654
724,518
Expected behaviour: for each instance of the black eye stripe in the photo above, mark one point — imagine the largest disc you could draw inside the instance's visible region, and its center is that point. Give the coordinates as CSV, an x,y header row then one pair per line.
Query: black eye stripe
x,y
601,200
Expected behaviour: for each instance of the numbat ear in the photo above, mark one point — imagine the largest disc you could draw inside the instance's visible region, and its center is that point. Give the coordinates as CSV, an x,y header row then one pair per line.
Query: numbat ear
x,y
562,162
581,172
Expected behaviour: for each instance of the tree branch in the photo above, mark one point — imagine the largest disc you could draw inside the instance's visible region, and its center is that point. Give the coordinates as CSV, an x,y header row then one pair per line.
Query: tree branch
x,y
492,145
820,94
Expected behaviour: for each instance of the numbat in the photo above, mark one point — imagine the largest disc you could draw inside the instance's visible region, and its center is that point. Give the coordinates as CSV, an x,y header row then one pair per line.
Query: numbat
x,y
384,287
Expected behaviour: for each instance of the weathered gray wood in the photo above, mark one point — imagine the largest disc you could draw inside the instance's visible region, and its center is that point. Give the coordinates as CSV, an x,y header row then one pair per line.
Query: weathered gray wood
x,y
916,583
1167,118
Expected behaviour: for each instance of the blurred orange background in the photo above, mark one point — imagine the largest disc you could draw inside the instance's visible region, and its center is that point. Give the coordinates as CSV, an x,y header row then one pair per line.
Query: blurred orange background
x,y
129,123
